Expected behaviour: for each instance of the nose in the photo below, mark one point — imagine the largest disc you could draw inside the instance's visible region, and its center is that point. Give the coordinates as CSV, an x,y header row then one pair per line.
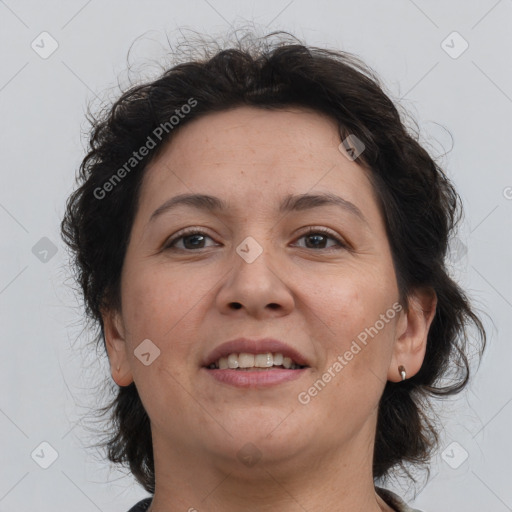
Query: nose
x,y
258,287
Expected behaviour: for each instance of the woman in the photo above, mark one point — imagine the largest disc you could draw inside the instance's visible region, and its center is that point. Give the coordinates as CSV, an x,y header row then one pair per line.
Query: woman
x,y
263,245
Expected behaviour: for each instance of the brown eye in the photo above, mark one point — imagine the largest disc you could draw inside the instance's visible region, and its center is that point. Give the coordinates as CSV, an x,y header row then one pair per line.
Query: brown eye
x,y
317,238
190,241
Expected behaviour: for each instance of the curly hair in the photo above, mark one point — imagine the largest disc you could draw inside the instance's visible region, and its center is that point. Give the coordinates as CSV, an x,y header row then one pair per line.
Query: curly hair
x,y
420,206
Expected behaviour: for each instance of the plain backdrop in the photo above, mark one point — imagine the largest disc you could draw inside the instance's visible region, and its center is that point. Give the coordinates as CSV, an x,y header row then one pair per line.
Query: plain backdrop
x,y
50,378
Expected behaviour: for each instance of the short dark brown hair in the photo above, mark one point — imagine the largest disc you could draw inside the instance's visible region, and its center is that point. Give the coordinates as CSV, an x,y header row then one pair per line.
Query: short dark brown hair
x,y
420,207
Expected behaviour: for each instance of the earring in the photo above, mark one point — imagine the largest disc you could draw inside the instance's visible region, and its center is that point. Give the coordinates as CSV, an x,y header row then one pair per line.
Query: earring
x,y
401,370
118,367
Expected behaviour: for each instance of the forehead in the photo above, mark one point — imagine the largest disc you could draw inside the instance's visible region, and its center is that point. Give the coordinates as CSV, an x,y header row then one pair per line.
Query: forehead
x,y
255,136
255,156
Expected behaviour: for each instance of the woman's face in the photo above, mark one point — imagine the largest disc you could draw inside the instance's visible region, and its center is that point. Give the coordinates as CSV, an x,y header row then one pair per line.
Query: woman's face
x,y
255,272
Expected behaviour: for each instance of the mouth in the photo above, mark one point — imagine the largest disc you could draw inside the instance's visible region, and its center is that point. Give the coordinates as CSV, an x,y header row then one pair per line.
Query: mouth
x,y
255,363
245,361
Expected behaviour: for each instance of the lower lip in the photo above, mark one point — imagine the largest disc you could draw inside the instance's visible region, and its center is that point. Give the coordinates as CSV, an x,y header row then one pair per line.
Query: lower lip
x,y
253,379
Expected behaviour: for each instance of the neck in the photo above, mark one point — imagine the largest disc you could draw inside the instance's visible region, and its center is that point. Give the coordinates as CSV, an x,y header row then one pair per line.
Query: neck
x,y
324,480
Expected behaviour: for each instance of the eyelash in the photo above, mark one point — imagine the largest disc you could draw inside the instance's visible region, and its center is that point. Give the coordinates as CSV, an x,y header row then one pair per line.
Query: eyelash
x,y
311,230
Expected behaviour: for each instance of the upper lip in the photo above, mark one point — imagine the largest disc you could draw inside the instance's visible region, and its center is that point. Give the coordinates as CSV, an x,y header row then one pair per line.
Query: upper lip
x,y
254,346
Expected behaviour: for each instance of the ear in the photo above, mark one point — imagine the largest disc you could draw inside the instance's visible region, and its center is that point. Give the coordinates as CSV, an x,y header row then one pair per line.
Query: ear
x,y
117,349
411,334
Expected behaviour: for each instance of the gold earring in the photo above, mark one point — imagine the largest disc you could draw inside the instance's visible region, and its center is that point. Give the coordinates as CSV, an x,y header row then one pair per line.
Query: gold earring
x,y
401,370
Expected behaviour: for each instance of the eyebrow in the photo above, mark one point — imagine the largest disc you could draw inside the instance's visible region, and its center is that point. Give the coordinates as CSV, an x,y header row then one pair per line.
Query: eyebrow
x,y
298,202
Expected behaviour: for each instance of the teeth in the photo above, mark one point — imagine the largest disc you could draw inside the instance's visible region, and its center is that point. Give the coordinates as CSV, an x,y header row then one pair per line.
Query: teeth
x,y
278,359
263,360
244,360
233,361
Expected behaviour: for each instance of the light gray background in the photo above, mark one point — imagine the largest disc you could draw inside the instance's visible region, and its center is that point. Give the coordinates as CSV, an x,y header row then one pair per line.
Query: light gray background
x,y
48,378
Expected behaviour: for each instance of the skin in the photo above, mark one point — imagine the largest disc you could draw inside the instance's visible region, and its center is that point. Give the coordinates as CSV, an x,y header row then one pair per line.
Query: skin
x,y
314,295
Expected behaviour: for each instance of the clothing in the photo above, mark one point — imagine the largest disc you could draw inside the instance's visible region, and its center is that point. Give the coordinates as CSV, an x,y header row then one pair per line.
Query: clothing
x,y
142,506
392,499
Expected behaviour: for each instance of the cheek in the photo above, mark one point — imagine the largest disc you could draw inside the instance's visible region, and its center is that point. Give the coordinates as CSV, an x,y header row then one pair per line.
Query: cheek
x,y
162,305
351,308
155,301
356,367
158,308
348,302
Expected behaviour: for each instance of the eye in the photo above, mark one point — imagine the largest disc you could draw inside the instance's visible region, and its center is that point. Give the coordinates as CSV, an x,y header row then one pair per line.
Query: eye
x,y
192,239
319,236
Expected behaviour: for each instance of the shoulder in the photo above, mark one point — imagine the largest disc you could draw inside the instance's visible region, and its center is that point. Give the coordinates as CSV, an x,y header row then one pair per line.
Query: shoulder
x,y
141,506
389,497
393,500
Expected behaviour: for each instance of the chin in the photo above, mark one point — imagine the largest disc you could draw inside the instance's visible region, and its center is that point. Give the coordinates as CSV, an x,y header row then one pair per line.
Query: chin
x,y
272,437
